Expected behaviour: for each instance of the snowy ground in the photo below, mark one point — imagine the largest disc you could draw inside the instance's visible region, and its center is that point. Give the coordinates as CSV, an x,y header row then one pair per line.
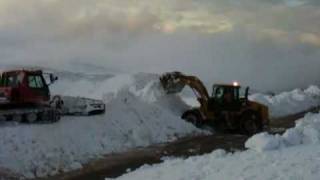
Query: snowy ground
x,y
138,113
283,104
294,155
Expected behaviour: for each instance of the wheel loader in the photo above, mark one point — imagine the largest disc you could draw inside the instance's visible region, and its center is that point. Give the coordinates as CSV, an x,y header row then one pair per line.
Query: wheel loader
x,y
25,97
227,109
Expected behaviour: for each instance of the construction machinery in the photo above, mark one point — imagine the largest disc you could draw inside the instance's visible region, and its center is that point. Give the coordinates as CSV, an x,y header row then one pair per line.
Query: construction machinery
x,y
25,97
226,109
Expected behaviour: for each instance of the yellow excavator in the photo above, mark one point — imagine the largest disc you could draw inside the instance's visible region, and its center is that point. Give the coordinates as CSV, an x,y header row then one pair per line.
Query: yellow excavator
x,y
227,109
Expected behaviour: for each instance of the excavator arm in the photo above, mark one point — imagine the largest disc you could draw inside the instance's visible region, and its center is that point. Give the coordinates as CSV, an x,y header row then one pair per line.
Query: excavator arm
x,y
174,82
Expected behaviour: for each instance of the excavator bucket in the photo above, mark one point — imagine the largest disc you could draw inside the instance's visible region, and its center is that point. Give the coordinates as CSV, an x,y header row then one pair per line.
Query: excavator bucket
x,y
171,82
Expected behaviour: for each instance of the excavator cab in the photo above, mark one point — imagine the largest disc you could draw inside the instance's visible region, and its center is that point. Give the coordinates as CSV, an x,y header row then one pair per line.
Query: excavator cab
x,y
228,97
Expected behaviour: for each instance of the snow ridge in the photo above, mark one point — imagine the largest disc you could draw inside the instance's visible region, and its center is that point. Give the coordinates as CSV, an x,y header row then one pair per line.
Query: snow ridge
x,y
287,103
294,155
306,131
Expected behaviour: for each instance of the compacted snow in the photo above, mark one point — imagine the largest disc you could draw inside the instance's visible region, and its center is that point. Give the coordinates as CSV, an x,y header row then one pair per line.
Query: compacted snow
x,y
293,155
138,113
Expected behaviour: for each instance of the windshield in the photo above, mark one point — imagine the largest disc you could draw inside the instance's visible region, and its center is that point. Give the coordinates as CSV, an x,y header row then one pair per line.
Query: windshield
x,y
35,81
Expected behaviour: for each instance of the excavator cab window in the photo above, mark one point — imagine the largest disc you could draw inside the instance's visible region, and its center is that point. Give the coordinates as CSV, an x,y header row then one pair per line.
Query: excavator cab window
x,y
222,93
35,81
10,80
219,93
37,84
226,97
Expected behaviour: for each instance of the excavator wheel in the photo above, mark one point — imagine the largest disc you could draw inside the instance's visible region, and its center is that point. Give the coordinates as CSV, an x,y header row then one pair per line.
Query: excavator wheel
x,y
193,117
2,118
31,117
250,123
17,118
50,116
54,116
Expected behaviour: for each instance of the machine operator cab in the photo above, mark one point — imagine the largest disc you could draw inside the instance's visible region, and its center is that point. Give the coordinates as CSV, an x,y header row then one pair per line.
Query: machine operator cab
x,y
26,85
228,97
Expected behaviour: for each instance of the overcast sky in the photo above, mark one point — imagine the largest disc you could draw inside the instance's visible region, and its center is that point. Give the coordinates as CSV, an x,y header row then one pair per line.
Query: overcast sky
x,y
270,44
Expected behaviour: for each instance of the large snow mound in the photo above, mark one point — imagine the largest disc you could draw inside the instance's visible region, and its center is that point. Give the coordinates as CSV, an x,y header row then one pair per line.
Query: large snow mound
x,y
138,113
293,155
306,131
288,103
292,163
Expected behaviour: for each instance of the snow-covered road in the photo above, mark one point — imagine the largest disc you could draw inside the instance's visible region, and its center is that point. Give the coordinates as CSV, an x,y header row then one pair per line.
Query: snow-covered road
x,y
138,114
294,155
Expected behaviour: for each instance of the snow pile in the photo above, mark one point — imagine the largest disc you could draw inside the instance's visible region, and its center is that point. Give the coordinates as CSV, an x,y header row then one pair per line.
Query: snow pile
x,y
138,113
88,85
288,103
292,163
269,157
306,131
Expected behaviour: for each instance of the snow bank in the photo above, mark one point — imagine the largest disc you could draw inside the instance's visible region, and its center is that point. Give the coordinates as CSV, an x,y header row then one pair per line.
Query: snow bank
x,y
292,163
294,155
306,131
89,85
138,113
287,103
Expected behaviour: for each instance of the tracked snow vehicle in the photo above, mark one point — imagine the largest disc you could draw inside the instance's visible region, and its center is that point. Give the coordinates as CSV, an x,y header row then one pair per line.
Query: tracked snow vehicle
x,y
25,96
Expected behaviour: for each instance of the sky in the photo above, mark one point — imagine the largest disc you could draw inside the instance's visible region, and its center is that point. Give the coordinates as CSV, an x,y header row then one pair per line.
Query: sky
x,y
267,44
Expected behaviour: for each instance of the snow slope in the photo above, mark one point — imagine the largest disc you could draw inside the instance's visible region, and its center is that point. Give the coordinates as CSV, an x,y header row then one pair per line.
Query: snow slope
x,y
294,155
306,132
138,113
287,103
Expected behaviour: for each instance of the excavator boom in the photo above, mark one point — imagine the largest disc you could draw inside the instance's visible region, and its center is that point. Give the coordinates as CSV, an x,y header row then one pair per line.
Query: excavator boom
x,y
174,82
171,82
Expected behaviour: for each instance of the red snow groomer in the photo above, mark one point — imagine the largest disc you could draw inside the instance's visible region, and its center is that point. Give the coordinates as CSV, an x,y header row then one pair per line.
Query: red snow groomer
x,y
25,97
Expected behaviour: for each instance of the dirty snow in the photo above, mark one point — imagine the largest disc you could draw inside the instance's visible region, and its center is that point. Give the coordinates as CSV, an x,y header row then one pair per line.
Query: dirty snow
x,y
138,113
293,155
288,103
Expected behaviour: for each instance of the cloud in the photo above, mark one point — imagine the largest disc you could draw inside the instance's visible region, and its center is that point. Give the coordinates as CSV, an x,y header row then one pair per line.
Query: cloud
x,y
219,40
80,18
